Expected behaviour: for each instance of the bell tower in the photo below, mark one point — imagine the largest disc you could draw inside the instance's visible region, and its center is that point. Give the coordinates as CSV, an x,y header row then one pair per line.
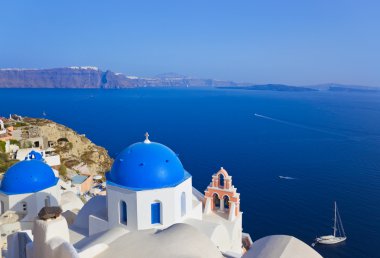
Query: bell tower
x,y
221,195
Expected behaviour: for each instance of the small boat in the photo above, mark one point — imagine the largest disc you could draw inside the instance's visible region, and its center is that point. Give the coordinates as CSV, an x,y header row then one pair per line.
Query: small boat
x,y
338,236
286,177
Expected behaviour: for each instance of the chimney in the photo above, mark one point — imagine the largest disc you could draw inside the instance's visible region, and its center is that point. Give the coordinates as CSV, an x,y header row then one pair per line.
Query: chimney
x,y
49,225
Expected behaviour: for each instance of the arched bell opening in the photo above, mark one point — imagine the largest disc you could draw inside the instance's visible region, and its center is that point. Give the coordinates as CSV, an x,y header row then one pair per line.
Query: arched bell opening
x,y
221,181
226,201
216,201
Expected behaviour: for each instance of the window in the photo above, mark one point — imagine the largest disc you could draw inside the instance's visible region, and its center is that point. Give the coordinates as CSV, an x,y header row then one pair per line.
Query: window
x,y
155,213
123,212
47,201
183,204
24,206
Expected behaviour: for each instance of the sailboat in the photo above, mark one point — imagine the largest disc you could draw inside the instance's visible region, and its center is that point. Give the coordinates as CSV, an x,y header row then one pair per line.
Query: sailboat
x,y
338,236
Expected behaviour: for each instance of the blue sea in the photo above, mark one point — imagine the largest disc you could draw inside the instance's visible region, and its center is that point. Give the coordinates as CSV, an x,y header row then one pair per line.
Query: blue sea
x,y
329,143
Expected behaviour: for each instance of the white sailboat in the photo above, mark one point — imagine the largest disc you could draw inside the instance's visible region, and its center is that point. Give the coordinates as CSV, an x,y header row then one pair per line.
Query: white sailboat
x,y
338,236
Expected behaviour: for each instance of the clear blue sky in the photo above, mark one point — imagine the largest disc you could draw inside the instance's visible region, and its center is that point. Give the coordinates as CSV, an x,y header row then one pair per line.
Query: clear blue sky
x,y
285,41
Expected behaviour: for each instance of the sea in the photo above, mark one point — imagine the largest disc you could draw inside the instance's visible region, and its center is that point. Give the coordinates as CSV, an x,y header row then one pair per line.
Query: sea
x,y
290,154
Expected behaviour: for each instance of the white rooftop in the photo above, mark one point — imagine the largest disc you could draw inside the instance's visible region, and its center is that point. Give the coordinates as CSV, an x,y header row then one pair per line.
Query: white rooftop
x,y
179,240
280,246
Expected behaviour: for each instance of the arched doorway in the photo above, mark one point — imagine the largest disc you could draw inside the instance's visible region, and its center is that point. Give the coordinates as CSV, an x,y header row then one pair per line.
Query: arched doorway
x,y
216,201
183,204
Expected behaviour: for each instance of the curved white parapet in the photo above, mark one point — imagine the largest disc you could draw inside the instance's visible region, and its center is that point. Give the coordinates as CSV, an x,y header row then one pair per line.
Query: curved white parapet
x,y
280,246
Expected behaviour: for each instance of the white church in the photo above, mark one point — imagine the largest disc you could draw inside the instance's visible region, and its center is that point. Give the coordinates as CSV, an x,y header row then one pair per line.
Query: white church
x,y
30,185
151,210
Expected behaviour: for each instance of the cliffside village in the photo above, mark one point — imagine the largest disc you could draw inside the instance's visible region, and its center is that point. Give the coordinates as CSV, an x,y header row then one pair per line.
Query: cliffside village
x,y
18,139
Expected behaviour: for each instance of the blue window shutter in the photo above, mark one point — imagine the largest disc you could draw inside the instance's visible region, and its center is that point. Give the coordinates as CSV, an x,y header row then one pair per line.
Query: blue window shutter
x,y
156,210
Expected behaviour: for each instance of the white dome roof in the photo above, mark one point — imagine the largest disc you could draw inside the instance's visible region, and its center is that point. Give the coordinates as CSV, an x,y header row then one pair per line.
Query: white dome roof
x,y
280,246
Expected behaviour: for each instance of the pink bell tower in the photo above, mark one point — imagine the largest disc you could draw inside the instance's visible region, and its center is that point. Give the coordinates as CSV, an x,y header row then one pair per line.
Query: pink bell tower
x,y
221,195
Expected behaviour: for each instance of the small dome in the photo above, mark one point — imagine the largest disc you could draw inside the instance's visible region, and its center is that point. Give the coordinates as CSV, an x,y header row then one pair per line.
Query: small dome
x,y
34,155
28,176
147,165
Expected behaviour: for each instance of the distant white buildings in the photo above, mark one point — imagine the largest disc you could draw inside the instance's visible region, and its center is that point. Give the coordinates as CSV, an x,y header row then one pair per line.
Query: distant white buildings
x,y
84,68
132,77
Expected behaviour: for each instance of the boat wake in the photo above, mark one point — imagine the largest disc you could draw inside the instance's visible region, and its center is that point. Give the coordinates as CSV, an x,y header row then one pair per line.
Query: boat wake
x,y
287,177
300,126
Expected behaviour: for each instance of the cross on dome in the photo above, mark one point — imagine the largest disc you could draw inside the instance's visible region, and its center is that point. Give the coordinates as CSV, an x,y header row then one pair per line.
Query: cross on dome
x,y
147,138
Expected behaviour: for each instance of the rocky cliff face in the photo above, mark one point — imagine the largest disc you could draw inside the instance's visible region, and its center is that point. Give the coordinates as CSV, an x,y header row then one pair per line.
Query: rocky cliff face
x,y
92,77
51,78
73,148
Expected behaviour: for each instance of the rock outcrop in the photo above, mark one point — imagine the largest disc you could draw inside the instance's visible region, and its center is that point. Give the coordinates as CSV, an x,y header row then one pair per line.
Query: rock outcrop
x,y
74,149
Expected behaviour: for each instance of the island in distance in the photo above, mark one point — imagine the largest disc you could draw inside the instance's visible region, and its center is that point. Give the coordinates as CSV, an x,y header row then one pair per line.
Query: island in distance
x,y
88,77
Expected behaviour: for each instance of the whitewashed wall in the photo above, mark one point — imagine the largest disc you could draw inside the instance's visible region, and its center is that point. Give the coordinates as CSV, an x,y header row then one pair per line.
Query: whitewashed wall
x,y
139,205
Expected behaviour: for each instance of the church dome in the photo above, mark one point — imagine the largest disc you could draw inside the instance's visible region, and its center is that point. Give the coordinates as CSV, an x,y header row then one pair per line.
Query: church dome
x,y
28,176
147,165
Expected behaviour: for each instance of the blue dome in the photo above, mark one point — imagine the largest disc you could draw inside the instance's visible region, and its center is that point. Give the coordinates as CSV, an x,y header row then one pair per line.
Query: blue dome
x,y
147,166
34,155
28,176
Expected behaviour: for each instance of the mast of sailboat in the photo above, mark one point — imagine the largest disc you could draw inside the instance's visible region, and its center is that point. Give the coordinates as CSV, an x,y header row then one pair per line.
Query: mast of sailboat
x,y
335,219
340,224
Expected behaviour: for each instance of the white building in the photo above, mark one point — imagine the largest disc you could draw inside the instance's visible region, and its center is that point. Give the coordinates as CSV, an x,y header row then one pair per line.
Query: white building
x,y
148,188
50,157
149,196
3,130
28,186
25,189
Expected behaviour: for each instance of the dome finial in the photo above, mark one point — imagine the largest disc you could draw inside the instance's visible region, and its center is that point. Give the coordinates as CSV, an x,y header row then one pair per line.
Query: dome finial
x,y
147,138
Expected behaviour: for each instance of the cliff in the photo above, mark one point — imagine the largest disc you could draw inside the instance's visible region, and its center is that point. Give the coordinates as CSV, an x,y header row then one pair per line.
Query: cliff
x,y
88,77
94,78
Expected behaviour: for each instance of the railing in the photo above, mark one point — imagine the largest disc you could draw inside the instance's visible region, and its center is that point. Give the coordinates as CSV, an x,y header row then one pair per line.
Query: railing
x,y
198,194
